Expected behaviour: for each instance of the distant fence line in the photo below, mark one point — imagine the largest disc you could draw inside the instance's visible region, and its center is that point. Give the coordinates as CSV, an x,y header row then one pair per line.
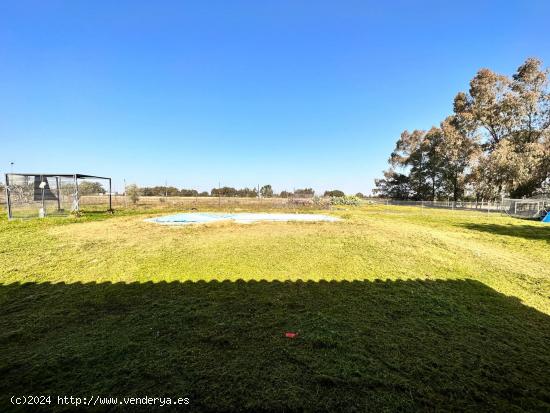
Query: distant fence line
x,y
523,208
190,202
91,203
150,200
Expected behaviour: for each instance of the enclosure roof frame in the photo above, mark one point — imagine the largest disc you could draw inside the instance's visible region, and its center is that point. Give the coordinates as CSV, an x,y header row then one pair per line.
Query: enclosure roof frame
x,y
81,176
76,177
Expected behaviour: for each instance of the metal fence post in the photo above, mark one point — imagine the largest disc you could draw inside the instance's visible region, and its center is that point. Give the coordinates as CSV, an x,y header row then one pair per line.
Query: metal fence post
x,y
110,196
8,199
43,195
58,194
77,194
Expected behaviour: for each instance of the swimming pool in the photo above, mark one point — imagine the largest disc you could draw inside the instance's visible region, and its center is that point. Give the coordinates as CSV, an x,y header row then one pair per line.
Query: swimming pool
x,y
241,218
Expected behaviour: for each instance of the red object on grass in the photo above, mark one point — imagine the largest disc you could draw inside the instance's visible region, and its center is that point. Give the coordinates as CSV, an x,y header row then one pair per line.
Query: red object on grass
x,y
291,335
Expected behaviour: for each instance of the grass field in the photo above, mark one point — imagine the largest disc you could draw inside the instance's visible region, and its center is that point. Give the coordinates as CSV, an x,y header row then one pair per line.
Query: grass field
x,y
397,309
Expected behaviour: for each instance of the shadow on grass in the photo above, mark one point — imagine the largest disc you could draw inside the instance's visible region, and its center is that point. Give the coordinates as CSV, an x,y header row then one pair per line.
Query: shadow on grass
x,y
522,231
362,346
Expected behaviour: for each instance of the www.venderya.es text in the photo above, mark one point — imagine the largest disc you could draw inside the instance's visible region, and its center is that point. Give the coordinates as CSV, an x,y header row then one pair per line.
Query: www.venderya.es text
x,y
95,400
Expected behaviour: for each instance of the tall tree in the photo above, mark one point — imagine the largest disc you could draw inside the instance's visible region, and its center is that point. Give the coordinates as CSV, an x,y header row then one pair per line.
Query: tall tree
x,y
435,163
266,191
530,83
529,152
394,185
514,113
410,155
456,153
489,105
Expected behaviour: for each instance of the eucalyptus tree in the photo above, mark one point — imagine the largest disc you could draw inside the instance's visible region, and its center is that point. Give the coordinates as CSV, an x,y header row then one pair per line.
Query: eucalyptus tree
x,y
513,117
497,142
458,150
410,155
394,185
488,107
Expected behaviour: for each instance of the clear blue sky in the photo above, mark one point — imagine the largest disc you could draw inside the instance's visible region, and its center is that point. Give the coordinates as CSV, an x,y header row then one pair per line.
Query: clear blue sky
x,y
244,92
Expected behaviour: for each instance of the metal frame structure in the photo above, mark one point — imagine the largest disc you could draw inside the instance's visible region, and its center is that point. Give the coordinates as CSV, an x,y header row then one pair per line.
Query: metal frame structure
x,y
530,208
42,176
526,208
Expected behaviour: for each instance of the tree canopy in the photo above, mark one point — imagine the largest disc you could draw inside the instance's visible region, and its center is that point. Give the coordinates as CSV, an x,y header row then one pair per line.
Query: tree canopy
x,y
228,191
90,188
497,143
305,192
334,192
266,191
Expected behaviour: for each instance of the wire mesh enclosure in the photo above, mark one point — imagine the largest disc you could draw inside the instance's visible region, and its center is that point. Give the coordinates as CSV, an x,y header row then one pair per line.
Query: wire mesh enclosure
x,y
526,208
521,208
40,195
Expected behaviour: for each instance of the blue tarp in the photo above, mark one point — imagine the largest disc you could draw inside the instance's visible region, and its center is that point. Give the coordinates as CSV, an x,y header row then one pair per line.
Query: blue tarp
x,y
546,218
243,218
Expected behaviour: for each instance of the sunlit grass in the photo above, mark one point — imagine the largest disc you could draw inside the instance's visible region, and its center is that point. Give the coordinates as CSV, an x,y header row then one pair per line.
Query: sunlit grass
x,y
372,242
400,309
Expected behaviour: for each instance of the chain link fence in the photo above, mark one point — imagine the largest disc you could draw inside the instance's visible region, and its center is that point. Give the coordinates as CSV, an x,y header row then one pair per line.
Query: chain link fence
x,y
40,195
521,208
59,199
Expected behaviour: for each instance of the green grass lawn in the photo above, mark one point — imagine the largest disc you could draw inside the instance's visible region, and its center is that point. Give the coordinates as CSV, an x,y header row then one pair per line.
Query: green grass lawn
x,y
397,309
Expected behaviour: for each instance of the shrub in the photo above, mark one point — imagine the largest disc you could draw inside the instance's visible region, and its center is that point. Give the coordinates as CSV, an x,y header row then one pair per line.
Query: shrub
x,y
133,192
345,200
321,203
300,202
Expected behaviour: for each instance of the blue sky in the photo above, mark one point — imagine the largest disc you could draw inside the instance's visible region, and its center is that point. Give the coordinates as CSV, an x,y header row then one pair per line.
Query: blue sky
x,y
242,92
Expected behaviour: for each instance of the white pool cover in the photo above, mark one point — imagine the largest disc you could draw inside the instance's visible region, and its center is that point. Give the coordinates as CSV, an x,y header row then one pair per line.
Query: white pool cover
x,y
241,218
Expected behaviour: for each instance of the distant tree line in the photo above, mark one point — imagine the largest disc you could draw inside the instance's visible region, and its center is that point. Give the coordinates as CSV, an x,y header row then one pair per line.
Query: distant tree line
x,y
496,143
265,191
228,191
90,188
304,193
84,188
170,191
